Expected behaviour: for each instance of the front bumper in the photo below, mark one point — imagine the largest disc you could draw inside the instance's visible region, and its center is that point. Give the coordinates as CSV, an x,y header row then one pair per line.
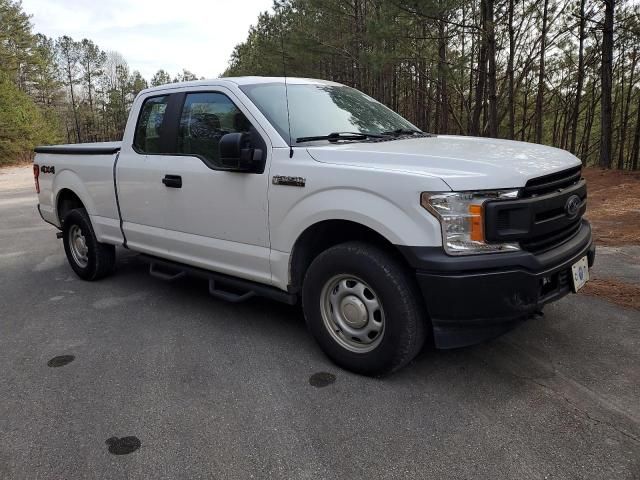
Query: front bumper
x,y
474,298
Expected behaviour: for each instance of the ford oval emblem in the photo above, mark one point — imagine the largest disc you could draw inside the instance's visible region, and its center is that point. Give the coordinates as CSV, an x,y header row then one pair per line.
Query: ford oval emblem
x,y
572,207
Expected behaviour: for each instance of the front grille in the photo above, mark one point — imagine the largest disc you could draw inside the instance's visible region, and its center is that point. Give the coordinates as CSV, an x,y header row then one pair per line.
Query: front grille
x,y
538,218
548,241
553,182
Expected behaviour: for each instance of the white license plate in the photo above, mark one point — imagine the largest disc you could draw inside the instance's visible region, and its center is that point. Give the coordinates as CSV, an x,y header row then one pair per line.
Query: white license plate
x,y
580,273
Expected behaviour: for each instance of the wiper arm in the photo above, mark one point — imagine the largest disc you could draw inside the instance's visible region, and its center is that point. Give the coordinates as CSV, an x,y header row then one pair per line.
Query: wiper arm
x,y
335,136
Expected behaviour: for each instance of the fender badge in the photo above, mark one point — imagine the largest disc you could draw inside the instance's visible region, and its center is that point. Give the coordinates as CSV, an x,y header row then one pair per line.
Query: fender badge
x,y
289,181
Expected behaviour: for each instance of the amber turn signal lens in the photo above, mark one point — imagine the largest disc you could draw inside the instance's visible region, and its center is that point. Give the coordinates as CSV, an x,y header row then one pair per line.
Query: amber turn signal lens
x,y
477,228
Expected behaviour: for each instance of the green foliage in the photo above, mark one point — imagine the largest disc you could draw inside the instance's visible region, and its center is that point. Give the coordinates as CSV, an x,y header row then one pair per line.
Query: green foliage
x,y
185,76
137,82
22,124
160,78
44,79
15,40
424,59
61,90
27,86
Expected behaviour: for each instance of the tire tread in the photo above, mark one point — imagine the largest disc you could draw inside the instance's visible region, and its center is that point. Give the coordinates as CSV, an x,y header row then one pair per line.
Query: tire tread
x,y
102,256
408,300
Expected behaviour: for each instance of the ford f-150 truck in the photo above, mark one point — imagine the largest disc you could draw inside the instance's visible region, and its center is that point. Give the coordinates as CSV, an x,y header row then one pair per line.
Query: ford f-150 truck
x,y
310,191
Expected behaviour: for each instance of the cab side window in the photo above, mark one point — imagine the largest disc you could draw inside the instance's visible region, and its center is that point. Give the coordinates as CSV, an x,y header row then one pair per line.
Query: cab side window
x,y
147,135
205,118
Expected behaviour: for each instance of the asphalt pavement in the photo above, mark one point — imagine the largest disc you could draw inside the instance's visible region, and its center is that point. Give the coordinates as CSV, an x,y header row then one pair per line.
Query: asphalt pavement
x,y
160,380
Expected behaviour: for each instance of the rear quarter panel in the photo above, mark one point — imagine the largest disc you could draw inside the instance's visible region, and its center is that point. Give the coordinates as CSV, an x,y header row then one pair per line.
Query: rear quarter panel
x,y
90,177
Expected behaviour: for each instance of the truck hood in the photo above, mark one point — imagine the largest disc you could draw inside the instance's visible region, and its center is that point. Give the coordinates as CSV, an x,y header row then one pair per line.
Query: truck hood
x,y
464,163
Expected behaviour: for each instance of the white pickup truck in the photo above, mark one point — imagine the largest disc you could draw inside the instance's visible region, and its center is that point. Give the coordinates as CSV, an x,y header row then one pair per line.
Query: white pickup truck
x,y
312,191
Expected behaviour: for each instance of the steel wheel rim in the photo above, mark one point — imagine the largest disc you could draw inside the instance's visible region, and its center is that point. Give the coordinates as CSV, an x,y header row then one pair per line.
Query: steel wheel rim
x,y
352,313
78,246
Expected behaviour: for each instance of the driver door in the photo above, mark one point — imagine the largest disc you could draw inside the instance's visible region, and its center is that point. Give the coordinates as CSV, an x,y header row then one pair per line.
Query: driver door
x,y
216,219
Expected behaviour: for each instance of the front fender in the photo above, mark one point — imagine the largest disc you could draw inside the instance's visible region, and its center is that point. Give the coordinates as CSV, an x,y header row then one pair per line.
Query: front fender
x,y
410,225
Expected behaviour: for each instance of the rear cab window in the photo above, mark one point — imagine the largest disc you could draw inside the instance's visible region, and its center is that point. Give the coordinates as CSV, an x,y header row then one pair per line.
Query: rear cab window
x,y
147,138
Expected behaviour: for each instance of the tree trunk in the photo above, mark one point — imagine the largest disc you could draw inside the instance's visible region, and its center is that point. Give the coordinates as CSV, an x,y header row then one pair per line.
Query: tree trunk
x,y
510,74
525,109
606,74
635,151
586,134
491,78
471,77
625,115
556,120
482,71
541,73
463,45
443,97
580,73
73,101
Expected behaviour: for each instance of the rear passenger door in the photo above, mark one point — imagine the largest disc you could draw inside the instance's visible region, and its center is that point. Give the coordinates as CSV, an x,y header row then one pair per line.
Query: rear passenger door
x,y
139,173
217,219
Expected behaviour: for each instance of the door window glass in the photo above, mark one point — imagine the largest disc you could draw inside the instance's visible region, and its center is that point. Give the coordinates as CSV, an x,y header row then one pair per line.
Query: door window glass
x,y
205,118
147,136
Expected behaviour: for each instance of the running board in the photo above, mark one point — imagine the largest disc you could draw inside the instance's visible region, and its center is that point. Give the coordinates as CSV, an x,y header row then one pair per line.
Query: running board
x,y
224,287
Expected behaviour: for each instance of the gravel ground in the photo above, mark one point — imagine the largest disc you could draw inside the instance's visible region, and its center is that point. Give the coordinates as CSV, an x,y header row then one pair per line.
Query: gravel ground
x,y
215,390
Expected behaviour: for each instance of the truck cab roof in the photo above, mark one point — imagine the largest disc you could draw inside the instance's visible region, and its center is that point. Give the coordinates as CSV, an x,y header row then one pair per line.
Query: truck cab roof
x,y
237,81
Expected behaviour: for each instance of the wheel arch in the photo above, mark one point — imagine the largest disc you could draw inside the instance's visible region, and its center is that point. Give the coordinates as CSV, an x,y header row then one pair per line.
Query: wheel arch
x,y
325,234
70,191
66,201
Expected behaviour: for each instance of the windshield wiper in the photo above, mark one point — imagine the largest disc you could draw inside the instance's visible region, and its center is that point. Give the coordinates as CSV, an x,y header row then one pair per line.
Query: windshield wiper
x,y
335,136
404,131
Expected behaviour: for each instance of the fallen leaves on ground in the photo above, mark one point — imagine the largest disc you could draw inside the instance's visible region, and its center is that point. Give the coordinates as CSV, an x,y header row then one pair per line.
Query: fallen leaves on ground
x,y
613,206
616,291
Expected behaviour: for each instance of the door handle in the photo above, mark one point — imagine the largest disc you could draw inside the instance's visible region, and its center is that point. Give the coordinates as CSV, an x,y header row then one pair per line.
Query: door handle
x,y
172,181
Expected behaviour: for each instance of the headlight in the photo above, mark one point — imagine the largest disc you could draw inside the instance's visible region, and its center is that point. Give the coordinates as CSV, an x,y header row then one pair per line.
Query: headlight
x,y
461,216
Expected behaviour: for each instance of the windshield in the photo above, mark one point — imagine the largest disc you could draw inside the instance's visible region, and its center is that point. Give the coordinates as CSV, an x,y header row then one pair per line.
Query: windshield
x,y
317,110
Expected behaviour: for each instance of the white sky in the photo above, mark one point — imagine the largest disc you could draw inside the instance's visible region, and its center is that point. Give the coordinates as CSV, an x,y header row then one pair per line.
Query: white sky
x,y
198,35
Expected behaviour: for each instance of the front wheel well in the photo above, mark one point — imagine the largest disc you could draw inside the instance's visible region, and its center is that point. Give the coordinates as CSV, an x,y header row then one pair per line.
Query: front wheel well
x,y
323,235
67,201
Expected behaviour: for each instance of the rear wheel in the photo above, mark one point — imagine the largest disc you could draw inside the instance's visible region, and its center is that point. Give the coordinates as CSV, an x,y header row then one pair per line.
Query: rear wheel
x,y
90,259
363,308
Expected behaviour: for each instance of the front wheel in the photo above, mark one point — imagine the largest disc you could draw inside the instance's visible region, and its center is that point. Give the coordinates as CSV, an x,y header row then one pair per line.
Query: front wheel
x,y
363,308
90,259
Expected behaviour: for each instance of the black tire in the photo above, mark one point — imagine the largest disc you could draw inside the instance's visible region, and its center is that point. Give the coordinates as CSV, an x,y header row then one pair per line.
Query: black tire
x,y
100,257
405,317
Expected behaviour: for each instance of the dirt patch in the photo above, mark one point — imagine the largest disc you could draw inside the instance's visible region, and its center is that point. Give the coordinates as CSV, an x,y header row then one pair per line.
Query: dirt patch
x,y
26,159
16,177
616,291
613,207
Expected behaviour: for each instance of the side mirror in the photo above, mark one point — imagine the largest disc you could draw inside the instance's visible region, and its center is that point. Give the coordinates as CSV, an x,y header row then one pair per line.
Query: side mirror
x,y
236,152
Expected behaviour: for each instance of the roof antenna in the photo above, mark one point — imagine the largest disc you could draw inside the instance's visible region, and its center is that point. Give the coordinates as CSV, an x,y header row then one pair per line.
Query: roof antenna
x,y
284,72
